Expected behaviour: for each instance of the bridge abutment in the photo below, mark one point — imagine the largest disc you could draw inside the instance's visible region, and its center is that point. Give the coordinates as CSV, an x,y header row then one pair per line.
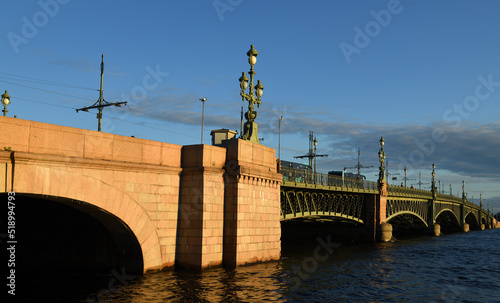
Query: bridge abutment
x,y
229,205
201,207
252,227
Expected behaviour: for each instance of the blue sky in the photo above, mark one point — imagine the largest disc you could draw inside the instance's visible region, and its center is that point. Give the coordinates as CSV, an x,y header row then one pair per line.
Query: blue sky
x,y
423,74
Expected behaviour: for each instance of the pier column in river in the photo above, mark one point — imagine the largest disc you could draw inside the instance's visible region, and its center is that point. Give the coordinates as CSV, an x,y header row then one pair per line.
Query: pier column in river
x,y
436,229
252,227
376,214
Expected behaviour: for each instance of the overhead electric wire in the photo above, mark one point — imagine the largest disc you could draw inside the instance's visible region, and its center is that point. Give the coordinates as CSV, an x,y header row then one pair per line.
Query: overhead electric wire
x,y
157,128
113,118
56,105
46,90
47,82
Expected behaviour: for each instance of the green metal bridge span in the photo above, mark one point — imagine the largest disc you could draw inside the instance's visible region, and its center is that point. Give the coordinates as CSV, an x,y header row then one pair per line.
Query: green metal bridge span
x,y
307,194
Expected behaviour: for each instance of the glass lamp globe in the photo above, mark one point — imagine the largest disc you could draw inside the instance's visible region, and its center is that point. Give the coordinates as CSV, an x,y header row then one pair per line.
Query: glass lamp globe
x,y
5,99
252,60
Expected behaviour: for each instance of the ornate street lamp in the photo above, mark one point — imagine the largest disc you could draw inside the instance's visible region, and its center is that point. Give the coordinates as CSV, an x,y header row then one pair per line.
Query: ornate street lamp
x,y
463,189
433,189
381,156
5,102
315,145
253,97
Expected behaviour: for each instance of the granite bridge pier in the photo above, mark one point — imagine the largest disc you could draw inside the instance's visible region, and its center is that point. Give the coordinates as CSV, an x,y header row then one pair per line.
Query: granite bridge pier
x,y
117,201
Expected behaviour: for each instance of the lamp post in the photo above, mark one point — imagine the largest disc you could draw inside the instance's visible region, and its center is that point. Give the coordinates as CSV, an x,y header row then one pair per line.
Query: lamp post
x,y
433,182
279,136
381,156
202,117
253,97
343,174
5,102
315,145
405,176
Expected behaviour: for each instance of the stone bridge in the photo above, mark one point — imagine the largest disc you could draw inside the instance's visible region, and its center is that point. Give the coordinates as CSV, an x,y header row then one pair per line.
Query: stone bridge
x,y
142,204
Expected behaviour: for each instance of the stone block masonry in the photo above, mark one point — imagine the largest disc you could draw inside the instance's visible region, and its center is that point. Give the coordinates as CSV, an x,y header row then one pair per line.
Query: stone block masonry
x,y
252,227
195,206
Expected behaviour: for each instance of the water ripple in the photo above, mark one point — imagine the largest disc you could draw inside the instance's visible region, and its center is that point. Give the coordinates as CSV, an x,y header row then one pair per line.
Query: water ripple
x,y
453,268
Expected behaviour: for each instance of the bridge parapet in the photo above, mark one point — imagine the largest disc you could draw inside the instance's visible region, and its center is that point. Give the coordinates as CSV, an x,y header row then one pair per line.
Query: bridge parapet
x,y
448,198
307,177
399,191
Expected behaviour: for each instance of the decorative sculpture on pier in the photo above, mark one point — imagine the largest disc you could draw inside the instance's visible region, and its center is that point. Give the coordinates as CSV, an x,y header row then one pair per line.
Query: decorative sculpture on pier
x,y
250,127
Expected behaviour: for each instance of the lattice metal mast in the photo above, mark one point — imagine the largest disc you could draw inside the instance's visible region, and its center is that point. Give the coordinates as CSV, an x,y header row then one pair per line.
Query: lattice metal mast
x,y
390,174
420,182
101,103
405,178
359,166
311,154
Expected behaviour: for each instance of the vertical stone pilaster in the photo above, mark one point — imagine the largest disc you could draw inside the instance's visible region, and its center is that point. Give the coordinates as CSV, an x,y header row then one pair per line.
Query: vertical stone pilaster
x,y
382,203
252,227
6,171
201,209
376,214
384,229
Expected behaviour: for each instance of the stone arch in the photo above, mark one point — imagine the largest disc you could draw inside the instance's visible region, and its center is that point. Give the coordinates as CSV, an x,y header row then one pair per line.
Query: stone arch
x,y
58,182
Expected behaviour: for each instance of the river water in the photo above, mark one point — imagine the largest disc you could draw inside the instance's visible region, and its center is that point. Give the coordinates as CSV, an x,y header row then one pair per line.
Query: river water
x,y
462,267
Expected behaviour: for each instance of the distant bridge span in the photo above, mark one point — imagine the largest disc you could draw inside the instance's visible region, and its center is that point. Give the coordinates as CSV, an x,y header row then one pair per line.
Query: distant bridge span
x,y
304,194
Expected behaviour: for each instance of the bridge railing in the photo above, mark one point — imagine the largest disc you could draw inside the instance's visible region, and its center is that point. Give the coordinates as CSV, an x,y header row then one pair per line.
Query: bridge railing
x,y
305,176
395,190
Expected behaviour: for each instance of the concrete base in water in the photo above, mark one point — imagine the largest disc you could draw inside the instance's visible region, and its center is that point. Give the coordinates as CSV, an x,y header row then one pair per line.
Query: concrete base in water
x,y
437,229
385,232
466,227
